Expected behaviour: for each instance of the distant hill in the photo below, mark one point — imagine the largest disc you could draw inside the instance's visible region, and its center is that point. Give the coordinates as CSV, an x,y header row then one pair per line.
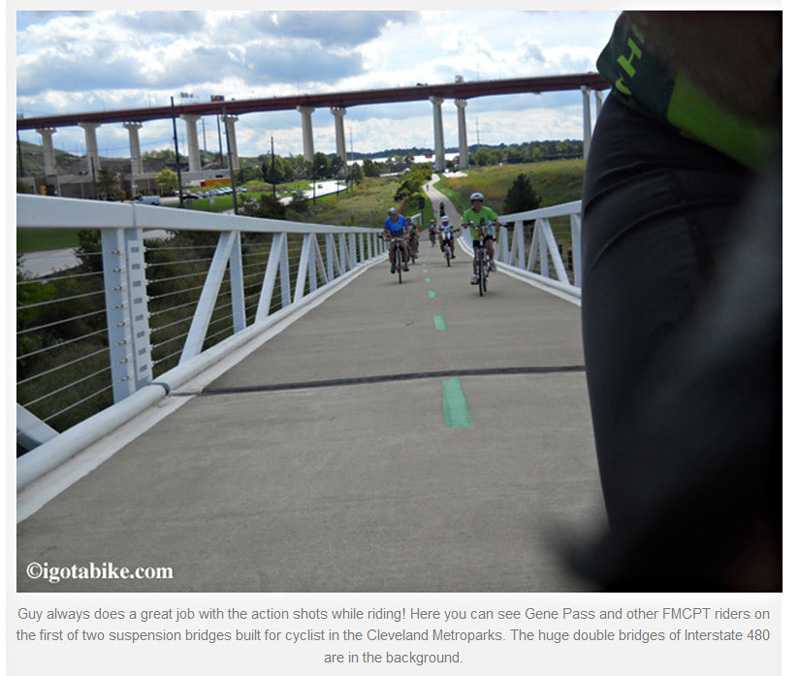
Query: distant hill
x,y
67,163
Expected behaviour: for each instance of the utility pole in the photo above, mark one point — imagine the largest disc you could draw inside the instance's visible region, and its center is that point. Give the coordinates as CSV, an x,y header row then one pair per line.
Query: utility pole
x,y
219,136
177,154
352,160
19,157
272,173
94,179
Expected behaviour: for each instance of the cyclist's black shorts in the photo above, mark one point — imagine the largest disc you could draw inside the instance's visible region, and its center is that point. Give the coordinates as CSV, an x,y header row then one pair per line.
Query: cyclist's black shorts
x,y
488,238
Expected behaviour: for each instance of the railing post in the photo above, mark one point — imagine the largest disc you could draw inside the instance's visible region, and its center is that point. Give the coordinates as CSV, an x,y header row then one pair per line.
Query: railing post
x,y
312,268
502,244
353,250
237,285
115,280
138,308
518,245
343,253
330,253
577,258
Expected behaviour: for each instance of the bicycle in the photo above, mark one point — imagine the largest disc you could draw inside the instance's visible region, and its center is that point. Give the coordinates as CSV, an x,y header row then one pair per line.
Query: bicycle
x,y
397,260
413,248
448,254
481,258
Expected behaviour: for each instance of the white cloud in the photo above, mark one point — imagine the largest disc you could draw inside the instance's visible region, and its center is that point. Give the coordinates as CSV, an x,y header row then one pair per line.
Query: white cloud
x,y
76,61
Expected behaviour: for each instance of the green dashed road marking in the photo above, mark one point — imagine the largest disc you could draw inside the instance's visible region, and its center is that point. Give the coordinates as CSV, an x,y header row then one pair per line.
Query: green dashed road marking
x,y
431,294
454,404
439,323
428,279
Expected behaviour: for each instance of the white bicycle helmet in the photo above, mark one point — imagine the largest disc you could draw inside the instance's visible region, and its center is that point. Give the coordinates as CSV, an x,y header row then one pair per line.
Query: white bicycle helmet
x,y
476,196
445,219
392,211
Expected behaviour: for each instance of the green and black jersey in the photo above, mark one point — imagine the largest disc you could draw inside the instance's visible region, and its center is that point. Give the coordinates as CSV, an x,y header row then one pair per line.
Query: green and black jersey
x,y
645,83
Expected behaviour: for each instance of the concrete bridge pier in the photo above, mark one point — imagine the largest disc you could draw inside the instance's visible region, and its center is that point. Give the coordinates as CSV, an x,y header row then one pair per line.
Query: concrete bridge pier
x,y
194,145
463,146
341,146
587,121
92,153
438,134
137,166
598,100
230,132
308,132
49,152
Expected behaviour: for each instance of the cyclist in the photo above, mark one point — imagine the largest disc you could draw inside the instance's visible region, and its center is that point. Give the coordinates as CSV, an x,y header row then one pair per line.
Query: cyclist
x,y
413,239
446,236
396,225
432,231
480,215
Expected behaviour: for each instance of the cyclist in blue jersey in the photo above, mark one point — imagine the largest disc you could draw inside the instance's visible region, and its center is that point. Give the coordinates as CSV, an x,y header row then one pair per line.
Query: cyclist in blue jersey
x,y
446,236
396,225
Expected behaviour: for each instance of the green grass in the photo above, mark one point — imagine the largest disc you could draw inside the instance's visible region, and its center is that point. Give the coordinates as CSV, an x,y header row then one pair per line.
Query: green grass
x,y
46,239
556,182
365,207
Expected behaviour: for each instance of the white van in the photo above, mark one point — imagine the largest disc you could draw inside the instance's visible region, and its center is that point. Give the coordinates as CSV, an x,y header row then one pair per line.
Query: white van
x,y
154,200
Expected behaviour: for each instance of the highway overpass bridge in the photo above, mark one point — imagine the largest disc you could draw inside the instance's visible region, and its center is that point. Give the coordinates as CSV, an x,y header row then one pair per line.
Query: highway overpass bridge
x,y
337,102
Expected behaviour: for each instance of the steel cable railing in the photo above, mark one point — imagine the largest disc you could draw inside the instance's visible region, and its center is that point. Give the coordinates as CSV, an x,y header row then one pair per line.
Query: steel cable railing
x,y
79,345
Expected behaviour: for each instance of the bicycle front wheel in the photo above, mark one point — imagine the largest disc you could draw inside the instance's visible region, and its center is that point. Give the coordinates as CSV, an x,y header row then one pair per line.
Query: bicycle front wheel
x,y
398,254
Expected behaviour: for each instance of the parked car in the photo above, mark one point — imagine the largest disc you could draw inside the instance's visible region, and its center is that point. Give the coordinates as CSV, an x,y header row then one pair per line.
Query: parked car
x,y
153,200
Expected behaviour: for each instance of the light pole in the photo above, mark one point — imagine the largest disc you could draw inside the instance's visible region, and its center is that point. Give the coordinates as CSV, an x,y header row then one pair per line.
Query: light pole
x,y
230,164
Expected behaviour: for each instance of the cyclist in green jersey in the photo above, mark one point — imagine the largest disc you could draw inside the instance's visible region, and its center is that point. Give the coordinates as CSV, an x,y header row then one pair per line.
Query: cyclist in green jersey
x,y
479,214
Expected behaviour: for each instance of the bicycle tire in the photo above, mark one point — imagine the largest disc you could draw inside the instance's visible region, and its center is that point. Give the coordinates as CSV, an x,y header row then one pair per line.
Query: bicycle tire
x,y
481,272
447,255
398,254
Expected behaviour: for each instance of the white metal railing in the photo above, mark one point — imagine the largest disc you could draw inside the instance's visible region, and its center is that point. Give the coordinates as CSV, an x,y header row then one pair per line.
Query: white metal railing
x,y
532,254
229,297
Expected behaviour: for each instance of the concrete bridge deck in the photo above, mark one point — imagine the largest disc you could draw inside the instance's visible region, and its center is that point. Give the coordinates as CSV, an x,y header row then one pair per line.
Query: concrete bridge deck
x,y
323,461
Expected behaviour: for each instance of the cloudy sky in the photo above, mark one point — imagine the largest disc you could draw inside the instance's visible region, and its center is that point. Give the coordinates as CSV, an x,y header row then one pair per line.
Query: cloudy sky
x,y
74,61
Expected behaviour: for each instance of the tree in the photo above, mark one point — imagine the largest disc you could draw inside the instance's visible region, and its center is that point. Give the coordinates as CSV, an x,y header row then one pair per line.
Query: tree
x,y
521,196
358,174
299,202
108,183
337,166
167,181
371,168
321,166
266,206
